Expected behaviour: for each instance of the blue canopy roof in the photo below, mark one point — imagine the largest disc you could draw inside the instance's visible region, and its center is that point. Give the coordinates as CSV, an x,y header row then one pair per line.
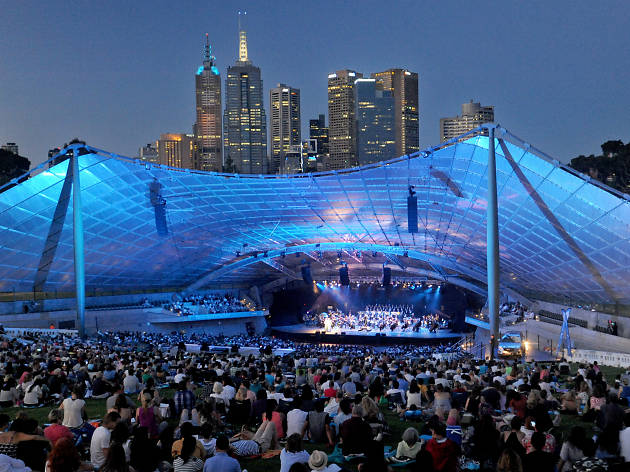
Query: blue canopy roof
x,y
154,227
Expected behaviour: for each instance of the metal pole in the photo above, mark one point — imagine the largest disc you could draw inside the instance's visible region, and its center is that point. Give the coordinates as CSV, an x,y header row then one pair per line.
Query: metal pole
x,y
492,248
79,256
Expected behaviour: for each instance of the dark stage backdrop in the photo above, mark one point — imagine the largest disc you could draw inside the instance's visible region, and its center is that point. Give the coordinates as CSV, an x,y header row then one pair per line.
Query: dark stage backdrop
x,y
290,304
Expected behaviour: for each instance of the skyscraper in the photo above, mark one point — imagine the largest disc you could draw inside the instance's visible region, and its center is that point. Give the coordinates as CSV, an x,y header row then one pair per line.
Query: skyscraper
x,y
374,111
403,85
207,128
244,120
341,119
149,153
175,149
11,147
319,132
285,123
473,115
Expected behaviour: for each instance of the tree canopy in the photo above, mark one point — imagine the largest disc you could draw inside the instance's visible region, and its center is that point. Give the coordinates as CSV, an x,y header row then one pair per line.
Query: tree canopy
x,y
12,166
612,167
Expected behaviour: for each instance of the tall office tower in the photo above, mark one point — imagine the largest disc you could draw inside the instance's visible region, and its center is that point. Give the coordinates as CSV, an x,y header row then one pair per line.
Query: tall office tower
x,y
149,153
473,115
285,123
319,132
374,111
176,150
208,127
244,120
10,147
403,85
341,119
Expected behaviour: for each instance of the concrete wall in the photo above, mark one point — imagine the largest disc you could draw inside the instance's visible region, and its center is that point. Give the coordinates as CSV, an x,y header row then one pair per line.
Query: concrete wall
x,y
582,338
593,318
137,319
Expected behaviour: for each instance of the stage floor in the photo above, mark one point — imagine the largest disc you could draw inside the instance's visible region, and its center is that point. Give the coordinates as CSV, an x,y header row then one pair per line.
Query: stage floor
x,y
422,334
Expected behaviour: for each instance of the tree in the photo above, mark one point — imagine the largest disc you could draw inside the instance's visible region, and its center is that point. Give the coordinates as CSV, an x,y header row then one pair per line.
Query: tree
x,y
229,165
12,166
612,167
612,148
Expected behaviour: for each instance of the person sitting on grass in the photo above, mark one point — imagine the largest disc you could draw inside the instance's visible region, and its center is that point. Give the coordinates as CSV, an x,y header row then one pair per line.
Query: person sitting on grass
x,y
319,429
409,447
221,462
246,443
56,430
445,453
293,452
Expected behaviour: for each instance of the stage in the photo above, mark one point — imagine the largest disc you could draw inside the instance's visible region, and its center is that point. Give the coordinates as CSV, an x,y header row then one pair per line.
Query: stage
x,y
304,333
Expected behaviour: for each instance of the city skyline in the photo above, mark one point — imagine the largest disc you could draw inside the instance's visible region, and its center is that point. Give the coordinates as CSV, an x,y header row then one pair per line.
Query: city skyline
x,y
554,74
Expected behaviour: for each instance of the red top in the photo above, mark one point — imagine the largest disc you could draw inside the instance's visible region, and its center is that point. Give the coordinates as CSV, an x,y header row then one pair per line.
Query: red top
x,y
55,432
445,454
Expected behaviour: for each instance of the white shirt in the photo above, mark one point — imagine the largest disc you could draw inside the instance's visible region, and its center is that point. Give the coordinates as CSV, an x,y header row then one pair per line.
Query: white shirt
x,y
332,406
391,391
228,393
295,421
287,459
72,412
179,377
100,441
624,441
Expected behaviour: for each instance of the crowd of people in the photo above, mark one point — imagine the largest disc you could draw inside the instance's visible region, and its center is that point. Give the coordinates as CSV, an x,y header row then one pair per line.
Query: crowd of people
x,y
169,409
377,319
206,304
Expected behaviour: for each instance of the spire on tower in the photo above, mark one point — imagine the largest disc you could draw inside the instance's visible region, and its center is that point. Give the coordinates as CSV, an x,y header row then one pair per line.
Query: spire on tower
x,y
208,59
242,39
207,49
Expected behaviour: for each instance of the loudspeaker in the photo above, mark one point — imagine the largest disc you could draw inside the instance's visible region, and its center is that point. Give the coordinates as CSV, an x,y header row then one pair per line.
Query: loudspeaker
x,y
344,278
306,275
412,214
387,276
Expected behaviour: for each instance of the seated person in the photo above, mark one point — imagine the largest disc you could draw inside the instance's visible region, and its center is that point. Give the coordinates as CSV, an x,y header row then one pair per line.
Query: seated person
x,y
319,429
356,433
409,447
247,443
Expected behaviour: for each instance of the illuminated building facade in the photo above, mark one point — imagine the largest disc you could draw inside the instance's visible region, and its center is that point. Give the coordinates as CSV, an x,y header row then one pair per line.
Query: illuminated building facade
x,y
176,150
374,111
473,115
208,127
148,153
403,85
285,123
342,126
244,119
319,132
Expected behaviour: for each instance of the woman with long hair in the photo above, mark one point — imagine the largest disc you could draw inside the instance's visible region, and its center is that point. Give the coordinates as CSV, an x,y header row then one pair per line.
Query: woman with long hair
x,y
509,461
8,392
144,454
572,449
186,461
74,409
147,416
116,461
64,457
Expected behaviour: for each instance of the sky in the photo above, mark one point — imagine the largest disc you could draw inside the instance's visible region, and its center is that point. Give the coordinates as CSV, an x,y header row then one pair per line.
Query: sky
x,y
117,74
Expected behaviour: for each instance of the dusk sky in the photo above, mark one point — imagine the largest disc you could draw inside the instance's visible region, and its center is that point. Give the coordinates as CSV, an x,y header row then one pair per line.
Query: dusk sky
x,y
117,74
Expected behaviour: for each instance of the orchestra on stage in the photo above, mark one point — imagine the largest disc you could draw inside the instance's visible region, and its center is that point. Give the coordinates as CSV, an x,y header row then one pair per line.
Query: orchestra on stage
x,y
393,319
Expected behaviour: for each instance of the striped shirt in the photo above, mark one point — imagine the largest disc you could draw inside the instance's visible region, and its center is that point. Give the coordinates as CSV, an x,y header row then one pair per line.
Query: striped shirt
x,y
194,464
